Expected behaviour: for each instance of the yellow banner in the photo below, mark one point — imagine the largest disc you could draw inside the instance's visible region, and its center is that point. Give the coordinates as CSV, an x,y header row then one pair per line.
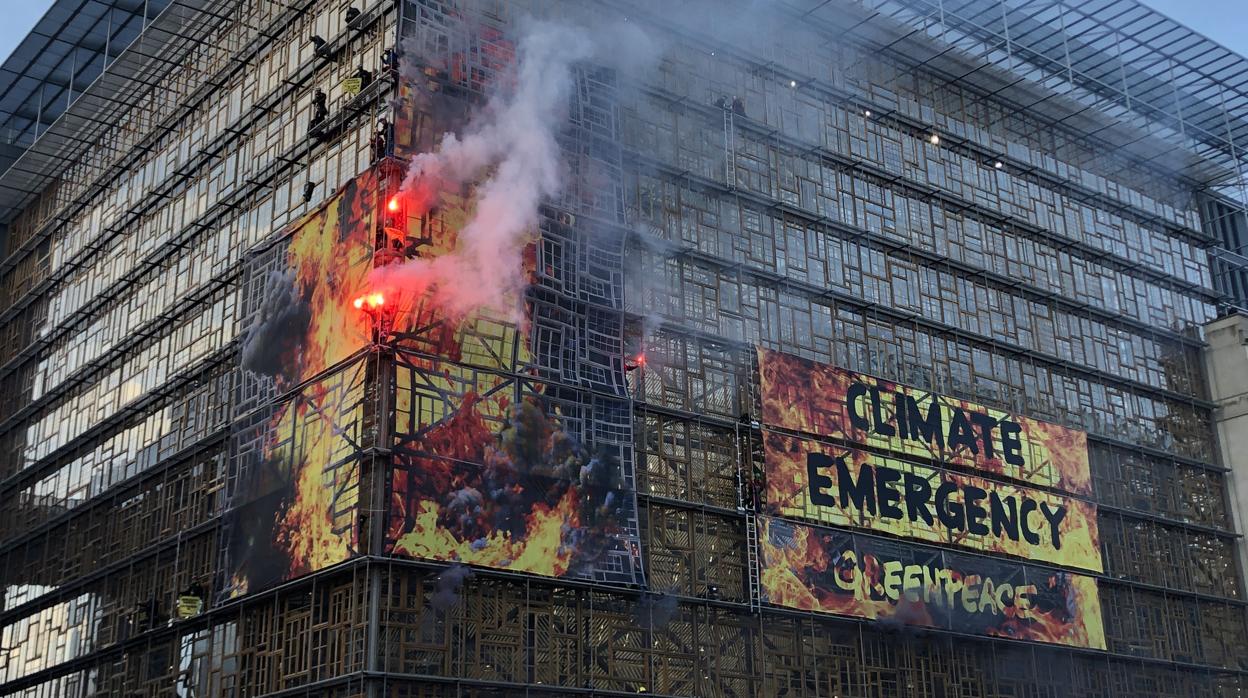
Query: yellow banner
x,y
842,486
803,395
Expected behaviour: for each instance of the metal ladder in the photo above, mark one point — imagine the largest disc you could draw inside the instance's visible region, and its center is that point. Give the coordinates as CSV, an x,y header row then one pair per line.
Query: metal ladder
x,y
730,149
752,559
745,505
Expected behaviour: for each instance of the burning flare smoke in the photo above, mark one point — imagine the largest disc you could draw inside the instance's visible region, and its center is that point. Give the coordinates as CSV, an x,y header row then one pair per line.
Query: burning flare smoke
x,y
515,135
511,140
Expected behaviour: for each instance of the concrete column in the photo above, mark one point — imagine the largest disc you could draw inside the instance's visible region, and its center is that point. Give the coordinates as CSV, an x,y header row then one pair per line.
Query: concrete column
x,y
1226,365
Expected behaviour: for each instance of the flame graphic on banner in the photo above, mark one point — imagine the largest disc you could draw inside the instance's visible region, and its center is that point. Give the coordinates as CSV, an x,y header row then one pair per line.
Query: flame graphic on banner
x,y
829,571
527,497
294,510
317,528
325,265
331,253
1068,612
295,506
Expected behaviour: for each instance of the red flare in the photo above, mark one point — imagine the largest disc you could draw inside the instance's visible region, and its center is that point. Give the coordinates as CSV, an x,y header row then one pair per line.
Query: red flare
x,y
372,300
393,204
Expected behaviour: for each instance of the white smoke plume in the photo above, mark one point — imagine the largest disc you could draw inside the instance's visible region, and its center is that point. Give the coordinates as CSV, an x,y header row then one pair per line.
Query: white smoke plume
x,y
511,141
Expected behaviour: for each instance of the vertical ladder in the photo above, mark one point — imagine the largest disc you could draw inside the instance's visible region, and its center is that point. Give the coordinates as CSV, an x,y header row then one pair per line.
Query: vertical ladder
x,y
745,505
730,149
752,560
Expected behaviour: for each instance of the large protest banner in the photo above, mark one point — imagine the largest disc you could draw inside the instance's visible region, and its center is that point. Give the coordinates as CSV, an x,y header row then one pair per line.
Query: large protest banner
x,y
850,451
494,470
302,397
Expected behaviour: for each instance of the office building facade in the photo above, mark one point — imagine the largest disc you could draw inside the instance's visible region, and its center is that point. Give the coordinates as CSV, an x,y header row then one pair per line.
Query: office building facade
x,y
854,349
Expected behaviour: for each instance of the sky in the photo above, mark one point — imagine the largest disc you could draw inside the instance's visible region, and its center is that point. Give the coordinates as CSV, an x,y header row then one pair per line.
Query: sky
x,y
20,17
1224,21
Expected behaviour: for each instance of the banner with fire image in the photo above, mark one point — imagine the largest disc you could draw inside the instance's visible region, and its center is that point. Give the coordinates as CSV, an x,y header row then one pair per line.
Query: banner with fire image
x,y
505,472
803,395
296,481
298,304
841,486
299,404
904,585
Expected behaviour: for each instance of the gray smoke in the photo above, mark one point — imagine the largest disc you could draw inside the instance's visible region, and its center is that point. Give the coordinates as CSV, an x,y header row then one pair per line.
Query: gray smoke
x,y
511,141
274,339
447,587
656,610
908,617
648,280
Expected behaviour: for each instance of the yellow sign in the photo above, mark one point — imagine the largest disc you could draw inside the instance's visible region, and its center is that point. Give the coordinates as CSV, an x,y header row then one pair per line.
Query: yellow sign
x,y
352,86
190,606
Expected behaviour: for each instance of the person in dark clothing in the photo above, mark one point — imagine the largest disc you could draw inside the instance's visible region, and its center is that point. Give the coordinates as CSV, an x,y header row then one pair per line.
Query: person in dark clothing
x,y
380,142
320,108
